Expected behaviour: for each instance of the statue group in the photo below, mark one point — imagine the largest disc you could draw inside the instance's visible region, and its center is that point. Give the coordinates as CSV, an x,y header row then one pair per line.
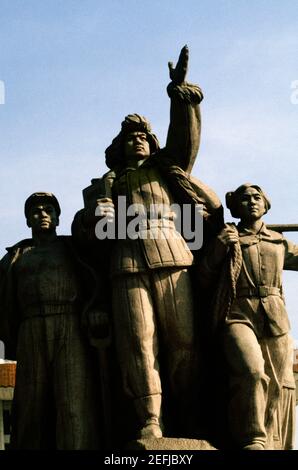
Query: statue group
x,y
154,320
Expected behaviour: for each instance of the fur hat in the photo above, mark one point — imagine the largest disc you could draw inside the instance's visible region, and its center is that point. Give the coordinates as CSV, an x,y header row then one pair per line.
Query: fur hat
x,y
131,123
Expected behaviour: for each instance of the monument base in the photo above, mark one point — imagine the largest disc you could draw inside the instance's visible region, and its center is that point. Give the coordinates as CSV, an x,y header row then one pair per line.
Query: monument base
x,y
169,443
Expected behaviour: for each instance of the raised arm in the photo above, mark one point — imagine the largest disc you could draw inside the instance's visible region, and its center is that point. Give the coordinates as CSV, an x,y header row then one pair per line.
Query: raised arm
x,y
184,132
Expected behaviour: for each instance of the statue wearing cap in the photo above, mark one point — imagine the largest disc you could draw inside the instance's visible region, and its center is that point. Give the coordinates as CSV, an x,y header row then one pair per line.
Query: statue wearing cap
x,y
42,300
41,198
250,320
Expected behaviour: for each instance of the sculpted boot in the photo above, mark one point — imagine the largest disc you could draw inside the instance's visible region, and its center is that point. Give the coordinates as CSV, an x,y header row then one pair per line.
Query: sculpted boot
x,y
149,413
254,446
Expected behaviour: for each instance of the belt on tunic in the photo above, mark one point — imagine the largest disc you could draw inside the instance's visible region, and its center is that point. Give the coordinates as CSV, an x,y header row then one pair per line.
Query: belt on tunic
x,y
259,291
42,309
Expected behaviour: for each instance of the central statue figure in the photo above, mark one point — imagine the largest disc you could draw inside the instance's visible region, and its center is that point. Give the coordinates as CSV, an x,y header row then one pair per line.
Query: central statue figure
x,y
152,296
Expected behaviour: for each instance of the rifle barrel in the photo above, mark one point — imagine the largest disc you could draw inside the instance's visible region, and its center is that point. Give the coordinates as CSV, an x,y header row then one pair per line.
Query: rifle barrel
x,y
283,227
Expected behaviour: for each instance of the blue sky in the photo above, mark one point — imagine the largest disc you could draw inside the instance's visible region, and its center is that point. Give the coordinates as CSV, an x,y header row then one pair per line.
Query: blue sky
x,y
73,69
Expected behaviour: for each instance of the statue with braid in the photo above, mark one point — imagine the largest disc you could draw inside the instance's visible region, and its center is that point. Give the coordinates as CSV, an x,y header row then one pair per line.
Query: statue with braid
x,y
251,324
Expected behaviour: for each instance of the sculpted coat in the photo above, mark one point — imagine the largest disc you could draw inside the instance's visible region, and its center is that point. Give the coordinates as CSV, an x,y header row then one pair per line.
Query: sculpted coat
x,y
153,312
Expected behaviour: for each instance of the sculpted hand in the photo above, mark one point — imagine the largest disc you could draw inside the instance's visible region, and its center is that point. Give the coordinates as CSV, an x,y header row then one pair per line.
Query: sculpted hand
x,y
229,235
105,208
178,74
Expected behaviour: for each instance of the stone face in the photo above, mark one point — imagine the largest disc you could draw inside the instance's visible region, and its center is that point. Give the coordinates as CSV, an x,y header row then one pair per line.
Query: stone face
x,y
167,443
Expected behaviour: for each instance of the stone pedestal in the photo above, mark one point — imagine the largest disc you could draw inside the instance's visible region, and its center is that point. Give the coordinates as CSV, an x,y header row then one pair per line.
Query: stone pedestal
x,y
167,443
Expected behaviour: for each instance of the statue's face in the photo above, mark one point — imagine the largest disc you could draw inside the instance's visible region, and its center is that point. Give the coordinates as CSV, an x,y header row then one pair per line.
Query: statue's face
x,y
251,205
136,146
42,218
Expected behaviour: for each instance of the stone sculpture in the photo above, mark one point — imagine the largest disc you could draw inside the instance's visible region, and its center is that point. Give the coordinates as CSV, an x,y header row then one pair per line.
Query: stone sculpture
x,y
123,283
42,300
250,321
153,311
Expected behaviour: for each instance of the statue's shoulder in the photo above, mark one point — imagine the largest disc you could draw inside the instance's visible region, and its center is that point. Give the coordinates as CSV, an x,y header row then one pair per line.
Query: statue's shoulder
x,y
274,235
14,251
21,245
204,190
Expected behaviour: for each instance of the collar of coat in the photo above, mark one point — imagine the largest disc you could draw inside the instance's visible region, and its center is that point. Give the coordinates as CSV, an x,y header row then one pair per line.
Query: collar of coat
x,y
28,242
247,237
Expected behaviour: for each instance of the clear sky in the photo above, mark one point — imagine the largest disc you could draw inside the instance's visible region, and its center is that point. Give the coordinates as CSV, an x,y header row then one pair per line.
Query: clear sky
x,y
73,69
